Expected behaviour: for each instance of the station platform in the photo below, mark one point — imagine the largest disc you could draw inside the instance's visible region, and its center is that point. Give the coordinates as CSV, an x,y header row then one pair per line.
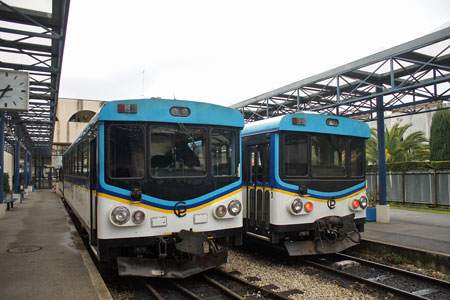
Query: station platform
x,y
42,256
416,230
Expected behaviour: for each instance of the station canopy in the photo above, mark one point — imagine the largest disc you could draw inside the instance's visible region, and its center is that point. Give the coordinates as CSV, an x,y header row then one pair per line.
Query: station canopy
x,y
412,78
32,40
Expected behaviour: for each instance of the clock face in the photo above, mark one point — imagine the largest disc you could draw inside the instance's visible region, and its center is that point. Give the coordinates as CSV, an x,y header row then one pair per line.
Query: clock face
x,y
14,90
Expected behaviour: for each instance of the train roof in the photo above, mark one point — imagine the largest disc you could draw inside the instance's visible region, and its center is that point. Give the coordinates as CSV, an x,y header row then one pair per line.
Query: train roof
x,y
309,122
158,110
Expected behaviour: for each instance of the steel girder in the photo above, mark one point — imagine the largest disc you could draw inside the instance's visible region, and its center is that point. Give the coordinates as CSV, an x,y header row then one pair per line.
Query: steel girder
x,y
410,76
33,41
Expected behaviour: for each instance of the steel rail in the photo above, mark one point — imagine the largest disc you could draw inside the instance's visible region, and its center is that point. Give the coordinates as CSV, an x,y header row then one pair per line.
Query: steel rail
x,y
223,288
391,289
432,280
184,290
153,290
245,282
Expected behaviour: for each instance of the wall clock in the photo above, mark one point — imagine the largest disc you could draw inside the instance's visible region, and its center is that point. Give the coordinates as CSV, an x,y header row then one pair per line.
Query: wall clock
x,y
14,90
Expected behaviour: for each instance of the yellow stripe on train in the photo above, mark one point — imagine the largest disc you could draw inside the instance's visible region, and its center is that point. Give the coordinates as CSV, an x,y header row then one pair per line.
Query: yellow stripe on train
x,y
311,198
122,200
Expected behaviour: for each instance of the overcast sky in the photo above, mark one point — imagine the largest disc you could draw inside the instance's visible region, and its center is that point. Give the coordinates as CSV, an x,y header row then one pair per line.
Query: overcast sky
x,y
225,52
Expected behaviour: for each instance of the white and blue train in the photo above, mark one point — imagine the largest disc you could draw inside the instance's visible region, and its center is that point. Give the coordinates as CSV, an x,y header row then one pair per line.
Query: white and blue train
x,y
304,182
156,184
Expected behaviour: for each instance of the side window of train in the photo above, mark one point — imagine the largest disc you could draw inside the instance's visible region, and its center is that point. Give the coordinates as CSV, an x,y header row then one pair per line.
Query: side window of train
x,y
72,162
126,151
86,158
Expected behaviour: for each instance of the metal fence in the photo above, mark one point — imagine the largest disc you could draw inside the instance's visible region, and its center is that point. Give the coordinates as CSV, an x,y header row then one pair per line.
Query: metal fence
x,y
416,187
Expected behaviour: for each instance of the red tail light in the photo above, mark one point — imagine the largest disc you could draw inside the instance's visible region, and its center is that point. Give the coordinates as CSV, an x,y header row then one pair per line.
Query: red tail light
x,y
308,206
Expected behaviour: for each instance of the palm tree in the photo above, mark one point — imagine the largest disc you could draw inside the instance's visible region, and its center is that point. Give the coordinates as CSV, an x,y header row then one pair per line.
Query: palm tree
x,y
398,149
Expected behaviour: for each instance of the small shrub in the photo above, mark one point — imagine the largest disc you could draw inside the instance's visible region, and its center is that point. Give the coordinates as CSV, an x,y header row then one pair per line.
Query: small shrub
x,y
6,187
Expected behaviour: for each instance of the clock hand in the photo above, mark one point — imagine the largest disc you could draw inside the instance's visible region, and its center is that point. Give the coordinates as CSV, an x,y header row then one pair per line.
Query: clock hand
x,y
5,90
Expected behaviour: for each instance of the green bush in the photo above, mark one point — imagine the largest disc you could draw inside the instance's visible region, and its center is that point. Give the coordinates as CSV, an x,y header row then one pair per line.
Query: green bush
x,y
412,166
439,141
6,187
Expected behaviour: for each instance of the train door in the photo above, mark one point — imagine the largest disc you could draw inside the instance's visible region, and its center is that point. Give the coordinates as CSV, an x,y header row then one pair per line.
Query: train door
x,y
258,208
93,190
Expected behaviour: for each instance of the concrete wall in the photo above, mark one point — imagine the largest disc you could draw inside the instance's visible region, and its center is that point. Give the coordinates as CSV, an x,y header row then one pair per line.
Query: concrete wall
x,y
66,132
420,122
9,167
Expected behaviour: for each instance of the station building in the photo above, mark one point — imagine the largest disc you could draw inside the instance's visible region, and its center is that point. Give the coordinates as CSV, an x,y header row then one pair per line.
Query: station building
x,y
72,116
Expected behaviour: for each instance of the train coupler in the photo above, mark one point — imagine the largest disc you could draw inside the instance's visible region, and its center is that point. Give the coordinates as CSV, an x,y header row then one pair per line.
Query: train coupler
x,y
191,242
162,248
335,229
332,234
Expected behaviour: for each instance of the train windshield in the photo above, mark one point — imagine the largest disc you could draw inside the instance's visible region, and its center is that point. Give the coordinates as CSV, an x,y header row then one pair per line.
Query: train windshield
x,y
126,148
328,156
322,155
177,151
164,159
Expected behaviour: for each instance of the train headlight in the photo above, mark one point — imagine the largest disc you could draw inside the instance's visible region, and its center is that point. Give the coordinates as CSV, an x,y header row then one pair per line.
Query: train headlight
x,y
138,217
355,204
178,111
234,207
363,202
221,210
309,206
297,205
120,215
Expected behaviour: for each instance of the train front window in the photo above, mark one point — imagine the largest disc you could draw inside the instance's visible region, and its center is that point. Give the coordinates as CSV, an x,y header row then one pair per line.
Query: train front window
x,y
356,158
328,156
177,151
223,151
296,155
126,151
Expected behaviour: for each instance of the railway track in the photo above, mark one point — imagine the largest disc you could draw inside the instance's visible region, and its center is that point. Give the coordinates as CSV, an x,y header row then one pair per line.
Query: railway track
x,y
214,284
397,281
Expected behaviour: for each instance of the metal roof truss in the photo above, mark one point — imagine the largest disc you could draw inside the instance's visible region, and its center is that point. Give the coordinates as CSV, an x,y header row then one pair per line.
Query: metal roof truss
x,y
411,77
33,41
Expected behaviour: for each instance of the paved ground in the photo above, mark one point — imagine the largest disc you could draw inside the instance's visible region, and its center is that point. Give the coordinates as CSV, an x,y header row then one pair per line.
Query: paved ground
x,y
57,270
428,231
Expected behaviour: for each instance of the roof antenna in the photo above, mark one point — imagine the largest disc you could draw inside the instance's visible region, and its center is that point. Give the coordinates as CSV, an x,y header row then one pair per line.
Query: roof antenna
x,y
143,77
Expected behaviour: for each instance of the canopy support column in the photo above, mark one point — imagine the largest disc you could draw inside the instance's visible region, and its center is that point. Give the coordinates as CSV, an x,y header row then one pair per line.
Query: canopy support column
x,y
2,162
383,208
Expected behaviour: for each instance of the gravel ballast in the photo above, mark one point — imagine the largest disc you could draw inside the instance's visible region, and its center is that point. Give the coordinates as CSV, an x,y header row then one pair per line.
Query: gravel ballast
x,y
313,283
